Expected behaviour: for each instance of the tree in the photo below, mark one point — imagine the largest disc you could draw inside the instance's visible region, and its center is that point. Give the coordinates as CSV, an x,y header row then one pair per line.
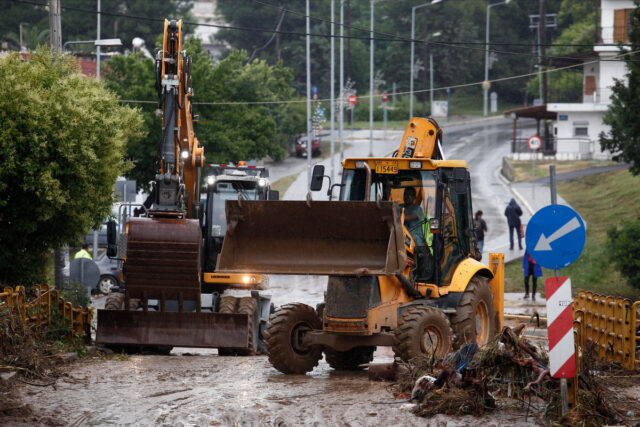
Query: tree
x,y
623,140
624,246
79,19
63,138
228,132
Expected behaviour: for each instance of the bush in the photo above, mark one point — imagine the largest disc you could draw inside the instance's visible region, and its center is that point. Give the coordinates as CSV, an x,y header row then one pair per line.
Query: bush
x,y
624,250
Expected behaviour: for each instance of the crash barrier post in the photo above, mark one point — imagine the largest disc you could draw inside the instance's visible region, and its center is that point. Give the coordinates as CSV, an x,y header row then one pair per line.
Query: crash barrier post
x,y
496,263
37,312
609,325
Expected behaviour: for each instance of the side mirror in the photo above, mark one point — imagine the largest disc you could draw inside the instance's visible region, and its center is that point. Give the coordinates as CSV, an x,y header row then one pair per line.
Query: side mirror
x,y
461,180
274,195
317,178
112,239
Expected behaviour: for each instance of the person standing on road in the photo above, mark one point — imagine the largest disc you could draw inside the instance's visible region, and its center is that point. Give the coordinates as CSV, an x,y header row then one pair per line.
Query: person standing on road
x,y
513,213
480,227
531,269
83,253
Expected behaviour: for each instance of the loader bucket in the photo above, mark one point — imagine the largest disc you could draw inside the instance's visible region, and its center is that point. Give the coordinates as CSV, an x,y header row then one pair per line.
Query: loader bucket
x,y
176,329
308,237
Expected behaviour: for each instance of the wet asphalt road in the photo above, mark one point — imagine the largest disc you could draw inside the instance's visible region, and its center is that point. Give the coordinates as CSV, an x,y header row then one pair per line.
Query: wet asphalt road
x,y
198,387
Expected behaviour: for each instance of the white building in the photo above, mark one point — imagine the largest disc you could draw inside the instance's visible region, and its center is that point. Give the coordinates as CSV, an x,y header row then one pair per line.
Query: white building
x,y
205,13
578,125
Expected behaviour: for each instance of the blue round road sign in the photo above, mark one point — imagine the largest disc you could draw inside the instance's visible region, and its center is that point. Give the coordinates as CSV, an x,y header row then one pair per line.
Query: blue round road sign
x,y
555,236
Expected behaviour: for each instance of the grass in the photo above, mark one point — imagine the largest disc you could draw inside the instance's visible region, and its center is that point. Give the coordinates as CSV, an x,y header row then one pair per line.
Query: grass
x,y
325,148
284,183
602,200
522,168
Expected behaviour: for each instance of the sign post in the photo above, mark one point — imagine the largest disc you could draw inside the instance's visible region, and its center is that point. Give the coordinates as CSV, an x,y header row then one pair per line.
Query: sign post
x,y
534,142
353,99
557,235
385,98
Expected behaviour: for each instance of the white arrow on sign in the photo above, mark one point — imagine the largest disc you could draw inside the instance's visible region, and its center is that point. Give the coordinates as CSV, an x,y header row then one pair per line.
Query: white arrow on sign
x,y
544,242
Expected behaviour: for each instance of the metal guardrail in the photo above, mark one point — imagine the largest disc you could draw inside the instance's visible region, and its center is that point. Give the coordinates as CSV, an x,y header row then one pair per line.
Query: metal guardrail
x,y
39,311
610,325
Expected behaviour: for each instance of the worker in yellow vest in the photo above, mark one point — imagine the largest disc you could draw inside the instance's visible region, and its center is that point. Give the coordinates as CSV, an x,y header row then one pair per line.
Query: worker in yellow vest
x,y
83,253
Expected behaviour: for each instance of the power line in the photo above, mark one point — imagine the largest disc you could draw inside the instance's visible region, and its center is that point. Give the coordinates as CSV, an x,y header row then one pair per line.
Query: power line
x,y
391,38
459,86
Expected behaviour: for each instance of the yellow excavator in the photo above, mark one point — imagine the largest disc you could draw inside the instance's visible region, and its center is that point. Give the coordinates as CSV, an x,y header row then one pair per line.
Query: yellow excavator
x,y
168,299
399,249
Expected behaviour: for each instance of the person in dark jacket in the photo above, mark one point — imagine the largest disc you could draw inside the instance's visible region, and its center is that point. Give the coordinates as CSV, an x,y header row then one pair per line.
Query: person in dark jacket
x,y
513,213
480,227
531,269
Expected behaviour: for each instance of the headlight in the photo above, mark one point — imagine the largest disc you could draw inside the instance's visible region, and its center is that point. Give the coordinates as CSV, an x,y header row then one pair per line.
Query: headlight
x,y
262,182
185,154
360,164
246,279
415,165
211,180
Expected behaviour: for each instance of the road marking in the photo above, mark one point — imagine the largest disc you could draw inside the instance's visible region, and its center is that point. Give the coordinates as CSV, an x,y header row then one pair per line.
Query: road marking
x,y
544,242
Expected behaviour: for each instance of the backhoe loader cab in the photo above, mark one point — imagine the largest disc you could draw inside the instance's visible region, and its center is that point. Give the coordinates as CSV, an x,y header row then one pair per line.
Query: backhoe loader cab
x,y
400,253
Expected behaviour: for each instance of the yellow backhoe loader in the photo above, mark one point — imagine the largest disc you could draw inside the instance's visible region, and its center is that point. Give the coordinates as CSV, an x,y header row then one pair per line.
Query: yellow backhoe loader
x,y
400,252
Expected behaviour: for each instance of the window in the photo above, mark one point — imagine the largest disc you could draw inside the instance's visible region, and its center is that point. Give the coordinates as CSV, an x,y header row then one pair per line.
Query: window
x,y
621,25
580,128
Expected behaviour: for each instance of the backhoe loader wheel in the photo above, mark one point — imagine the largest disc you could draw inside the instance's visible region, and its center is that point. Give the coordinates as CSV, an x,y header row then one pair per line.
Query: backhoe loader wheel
x,y
227,305
115,301
349,360
284,335
248,305
422,331
475,319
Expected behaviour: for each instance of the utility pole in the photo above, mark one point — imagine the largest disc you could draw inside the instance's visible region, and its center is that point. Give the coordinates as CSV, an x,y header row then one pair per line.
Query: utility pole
x,y
309,140
349,39
341,107
98,47
55,31
542,23
60,255
371,77
333,89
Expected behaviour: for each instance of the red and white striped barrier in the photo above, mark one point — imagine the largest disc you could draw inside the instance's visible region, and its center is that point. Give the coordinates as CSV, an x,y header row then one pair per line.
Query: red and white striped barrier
x,y
562,361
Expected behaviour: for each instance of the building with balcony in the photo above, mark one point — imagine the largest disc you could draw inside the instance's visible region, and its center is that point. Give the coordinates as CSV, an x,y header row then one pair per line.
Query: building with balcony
x,y
578,125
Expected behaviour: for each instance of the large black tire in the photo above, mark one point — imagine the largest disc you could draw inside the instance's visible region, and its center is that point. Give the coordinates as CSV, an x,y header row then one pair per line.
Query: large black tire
x,y
421,332
475,320
115,301
227,305
248,305
285,354
349,360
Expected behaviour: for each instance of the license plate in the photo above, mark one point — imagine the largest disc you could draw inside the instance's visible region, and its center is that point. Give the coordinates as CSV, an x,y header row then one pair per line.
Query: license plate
x,y
387,167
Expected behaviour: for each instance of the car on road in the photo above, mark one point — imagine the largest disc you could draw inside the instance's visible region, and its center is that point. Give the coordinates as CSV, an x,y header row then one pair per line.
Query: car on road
x,y
109,274
301,146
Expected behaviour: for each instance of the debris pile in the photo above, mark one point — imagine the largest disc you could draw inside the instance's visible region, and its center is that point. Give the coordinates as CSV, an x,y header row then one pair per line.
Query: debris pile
x,y
509,370
30,353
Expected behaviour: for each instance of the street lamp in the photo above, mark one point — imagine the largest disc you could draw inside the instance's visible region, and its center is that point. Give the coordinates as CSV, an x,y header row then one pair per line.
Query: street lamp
x,y
485,84
413,34
101,43
22,48
98,44
436,34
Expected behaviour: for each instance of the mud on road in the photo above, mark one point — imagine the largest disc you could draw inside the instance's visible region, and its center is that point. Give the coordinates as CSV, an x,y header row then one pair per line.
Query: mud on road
x,y
210,390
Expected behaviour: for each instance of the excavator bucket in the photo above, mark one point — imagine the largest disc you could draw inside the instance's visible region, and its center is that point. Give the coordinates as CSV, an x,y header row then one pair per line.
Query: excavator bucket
x,y
175,329
163,265
309,237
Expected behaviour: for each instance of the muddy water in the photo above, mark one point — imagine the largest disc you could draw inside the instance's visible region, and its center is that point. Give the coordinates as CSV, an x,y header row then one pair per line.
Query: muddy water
x,y
213,390
198,387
